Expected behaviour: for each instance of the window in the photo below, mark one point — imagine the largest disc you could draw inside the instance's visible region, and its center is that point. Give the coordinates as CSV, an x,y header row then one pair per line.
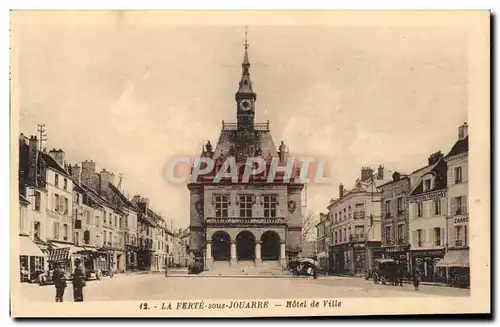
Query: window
x,y
121,222
65,184
335,218
38,199
56,180
427,185
126,221
437,236
104,237
461,238
350,233
270,205
345,236
401,236
245,206
37,230
116,221
77,238
437,207
97,221
22,218
388,208
87,213
399,202
459,205
104,216
65,232
388,235
419,237
78,198
55,230
55,205
458,175
360,231
335,237
349,212
221,205
66,206
420,209
110,219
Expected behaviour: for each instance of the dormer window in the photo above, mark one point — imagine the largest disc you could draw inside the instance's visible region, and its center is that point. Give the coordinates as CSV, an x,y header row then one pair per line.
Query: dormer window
x,y
427,185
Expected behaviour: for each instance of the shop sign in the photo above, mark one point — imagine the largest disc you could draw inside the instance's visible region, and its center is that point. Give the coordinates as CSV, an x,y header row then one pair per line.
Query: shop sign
x,y
461,220
396,249
430,196
357,245
428,253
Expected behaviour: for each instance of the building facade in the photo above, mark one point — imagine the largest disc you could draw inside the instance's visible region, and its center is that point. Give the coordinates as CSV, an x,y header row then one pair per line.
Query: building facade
x,y
356,221
456,260
395,219
255,221
427,211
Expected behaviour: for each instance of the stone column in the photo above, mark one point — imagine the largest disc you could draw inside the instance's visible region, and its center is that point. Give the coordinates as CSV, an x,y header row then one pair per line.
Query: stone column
x,y
283,255
233,252
258,258
208,255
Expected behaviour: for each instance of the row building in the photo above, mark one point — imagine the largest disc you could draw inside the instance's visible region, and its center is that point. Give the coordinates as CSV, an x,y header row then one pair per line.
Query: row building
x,y
68,211
419,219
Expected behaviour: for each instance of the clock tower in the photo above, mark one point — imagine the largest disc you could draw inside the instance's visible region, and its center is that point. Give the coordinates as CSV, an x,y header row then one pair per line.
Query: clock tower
x,y
245,97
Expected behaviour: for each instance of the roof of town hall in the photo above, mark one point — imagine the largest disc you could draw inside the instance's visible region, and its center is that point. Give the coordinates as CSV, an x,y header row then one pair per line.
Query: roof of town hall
x,y
263,139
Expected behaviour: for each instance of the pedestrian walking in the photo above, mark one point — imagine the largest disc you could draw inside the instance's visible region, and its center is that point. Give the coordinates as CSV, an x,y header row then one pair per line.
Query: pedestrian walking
x,y
166,268
78,281
315,273
416,279
59,282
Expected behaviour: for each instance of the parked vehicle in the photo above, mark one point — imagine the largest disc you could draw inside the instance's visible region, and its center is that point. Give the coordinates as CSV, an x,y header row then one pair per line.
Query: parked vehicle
x,y
384,271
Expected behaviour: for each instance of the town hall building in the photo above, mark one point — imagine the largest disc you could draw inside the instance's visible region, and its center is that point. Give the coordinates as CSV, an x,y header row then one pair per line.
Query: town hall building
x,y
245,224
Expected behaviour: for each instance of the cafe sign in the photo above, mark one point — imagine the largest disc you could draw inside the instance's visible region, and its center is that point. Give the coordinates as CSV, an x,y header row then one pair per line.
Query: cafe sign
x,y
460,220
428,253
429,196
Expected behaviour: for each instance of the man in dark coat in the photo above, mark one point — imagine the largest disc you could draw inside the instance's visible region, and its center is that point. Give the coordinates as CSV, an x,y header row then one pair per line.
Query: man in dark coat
x,y
78,281
59,282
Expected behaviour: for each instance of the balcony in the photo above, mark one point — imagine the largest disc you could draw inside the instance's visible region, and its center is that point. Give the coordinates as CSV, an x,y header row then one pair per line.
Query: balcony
x,y
252,222
260,127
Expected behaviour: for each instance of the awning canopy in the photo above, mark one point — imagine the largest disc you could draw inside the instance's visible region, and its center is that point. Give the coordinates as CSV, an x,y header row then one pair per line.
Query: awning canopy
x,y
29,248
455,258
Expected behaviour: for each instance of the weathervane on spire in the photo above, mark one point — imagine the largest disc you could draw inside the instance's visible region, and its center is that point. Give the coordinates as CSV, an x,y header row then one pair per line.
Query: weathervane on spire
x,y
246,37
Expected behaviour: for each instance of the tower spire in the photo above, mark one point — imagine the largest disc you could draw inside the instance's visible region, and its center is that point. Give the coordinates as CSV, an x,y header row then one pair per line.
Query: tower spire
x,y
245,87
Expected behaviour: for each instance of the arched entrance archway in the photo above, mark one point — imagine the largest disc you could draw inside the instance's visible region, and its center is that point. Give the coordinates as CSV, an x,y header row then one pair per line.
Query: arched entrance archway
x,y
245,246
221,245
270,247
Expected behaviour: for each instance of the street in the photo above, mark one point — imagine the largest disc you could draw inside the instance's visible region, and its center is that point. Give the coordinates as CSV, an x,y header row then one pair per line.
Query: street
x,y
157,287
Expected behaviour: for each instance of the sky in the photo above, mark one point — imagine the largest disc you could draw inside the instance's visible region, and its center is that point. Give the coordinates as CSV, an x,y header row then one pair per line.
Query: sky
x,y
132,95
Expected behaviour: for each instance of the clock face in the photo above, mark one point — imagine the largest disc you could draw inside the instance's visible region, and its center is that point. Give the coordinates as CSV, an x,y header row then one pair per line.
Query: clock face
x,y
246,105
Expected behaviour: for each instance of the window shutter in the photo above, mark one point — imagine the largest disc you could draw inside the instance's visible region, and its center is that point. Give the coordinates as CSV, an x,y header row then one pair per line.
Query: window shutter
x,y
464,204
441,241
452,207
465,173
413,240
443,207
466,236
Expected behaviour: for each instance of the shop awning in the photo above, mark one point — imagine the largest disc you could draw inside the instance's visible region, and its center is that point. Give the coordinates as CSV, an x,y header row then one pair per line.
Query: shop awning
x,y
29,248
455,258
61,254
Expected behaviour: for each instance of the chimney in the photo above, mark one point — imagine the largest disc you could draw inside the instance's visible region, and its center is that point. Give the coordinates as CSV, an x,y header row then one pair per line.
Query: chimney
x,y
145,201
136,199
380,174
33,158
76,173
341,190
434,158
396,176
58,156
112,179
87,172
22,138
463,131
366,173
105,177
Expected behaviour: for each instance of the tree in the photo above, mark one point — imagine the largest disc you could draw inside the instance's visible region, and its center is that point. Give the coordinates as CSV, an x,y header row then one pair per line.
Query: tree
x,y
308,227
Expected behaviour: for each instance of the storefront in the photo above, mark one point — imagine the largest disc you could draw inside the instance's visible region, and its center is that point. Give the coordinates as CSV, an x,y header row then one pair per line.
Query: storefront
x,y
456,264
400,254
425,261
358,259
338,259
31,260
